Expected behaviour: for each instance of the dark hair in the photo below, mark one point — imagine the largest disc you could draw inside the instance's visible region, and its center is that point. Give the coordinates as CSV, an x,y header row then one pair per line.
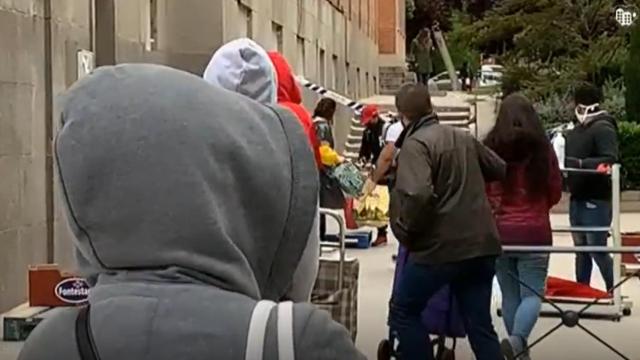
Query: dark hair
x,y
326,108
414,101
519,138
587,94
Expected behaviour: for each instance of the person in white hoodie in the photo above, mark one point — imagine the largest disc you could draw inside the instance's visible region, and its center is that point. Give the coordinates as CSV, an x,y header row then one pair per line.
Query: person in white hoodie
x,y
244,67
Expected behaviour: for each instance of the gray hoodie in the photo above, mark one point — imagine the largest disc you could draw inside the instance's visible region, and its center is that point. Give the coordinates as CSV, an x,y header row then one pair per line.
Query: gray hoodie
x,y
243,66
164,180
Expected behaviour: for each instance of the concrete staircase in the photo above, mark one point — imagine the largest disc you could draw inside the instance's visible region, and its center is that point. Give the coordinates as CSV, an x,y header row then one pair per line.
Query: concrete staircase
x,y
457,116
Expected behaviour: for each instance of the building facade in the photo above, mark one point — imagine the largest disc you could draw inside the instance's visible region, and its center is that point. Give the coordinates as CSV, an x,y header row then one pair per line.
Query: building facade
x,y
45,45
392,40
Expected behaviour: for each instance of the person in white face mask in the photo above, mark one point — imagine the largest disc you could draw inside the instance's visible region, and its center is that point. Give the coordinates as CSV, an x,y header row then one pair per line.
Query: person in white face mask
x,y
591,144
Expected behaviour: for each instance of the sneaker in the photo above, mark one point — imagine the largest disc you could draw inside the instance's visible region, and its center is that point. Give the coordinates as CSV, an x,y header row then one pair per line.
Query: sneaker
x,y
507,350
380,241
513,347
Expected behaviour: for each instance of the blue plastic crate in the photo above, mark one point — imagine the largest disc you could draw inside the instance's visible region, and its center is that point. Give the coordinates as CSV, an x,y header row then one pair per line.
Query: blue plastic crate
x,y
354,239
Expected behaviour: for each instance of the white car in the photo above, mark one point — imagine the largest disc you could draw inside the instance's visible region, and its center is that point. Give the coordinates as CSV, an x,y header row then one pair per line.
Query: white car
x,y
443,81
490,75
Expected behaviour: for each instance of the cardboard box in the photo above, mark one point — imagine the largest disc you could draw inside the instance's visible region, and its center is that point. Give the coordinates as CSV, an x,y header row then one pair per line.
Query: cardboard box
x,y
50,287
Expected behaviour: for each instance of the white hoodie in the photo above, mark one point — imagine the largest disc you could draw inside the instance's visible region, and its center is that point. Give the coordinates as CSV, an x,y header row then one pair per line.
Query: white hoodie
x,y
244,67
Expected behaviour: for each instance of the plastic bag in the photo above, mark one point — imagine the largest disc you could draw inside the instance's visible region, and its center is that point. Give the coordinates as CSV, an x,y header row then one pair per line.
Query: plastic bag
x,y
372,210
350,179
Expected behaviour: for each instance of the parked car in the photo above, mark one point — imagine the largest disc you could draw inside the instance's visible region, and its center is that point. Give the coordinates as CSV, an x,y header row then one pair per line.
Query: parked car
x,y
490,75
443,81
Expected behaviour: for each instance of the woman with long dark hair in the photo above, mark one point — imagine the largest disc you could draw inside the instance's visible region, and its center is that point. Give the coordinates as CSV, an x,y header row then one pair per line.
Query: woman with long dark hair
x,y
331,196
521,205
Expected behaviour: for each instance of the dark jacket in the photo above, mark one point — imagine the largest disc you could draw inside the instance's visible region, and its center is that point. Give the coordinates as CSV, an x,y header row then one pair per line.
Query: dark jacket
x,y
523,219
331,195
440,210
587,146
372,142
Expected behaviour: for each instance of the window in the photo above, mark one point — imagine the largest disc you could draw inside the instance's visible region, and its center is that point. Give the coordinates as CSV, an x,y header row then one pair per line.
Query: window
x,y
277,36
247,29
300,56
322,75
375,84
151,42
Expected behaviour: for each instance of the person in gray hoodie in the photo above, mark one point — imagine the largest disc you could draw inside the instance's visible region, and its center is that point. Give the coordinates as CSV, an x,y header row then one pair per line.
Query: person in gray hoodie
x,y
244,67
160,174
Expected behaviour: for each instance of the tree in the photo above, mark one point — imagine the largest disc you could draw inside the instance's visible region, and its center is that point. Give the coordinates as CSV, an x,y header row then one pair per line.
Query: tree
x,y
548,45
632,77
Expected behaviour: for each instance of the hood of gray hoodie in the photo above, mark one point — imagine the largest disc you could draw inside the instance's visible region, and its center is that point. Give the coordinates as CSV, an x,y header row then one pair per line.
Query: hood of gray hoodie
x,y
243,66
161,173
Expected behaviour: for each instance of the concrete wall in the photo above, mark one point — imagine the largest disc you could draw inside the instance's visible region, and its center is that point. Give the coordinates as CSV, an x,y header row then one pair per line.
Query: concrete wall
x,y
22,147
186,33
317,38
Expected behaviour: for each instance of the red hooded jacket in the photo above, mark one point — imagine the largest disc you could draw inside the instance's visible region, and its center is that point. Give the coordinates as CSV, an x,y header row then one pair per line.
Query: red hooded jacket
x,y
290,97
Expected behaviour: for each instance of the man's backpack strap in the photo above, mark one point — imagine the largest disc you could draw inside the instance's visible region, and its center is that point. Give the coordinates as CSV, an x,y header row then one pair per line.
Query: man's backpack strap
x,y
84,339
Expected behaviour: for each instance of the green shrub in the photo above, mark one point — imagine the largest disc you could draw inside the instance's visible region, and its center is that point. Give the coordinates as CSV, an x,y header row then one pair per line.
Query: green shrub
x,y
614,99
632,77
555,110
629,138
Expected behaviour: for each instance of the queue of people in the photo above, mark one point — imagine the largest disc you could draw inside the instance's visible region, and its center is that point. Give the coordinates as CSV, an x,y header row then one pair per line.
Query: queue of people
x,y
195,207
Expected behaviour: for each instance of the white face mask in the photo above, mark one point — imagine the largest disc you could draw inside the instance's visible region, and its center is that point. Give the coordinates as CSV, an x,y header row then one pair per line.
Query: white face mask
x,y
584,111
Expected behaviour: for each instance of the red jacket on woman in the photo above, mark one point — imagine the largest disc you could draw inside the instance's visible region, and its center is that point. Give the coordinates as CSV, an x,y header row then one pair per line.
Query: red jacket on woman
x,y
521,218
290,97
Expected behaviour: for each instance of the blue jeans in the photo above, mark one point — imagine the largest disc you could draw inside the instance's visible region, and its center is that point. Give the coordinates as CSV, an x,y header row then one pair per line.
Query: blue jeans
x,y
471,283
592,213
520,305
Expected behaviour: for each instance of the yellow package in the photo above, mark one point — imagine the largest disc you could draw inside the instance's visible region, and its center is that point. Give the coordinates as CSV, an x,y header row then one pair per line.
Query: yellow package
x,y
328,156
372,210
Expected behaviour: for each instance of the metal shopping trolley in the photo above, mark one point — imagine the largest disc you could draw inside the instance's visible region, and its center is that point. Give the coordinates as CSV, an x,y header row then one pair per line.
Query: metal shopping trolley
x,y
336,287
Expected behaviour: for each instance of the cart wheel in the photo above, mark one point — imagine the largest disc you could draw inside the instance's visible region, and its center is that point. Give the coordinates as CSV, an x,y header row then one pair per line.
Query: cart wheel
x,y
447,354
626,312
384,350
499,312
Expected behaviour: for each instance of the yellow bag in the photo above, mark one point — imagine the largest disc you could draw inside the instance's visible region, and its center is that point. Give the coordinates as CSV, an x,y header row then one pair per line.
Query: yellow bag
x,y
372,210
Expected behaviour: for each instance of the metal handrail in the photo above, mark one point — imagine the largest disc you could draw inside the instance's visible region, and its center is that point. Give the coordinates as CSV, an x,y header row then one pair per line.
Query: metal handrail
x,y
582,229
572,249
341,245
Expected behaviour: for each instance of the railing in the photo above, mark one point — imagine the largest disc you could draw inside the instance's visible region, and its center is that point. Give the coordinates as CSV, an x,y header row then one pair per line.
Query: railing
x,y
571,317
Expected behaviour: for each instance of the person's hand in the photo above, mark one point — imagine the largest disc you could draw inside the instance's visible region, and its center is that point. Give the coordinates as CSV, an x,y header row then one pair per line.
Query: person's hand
x,y
604,169
369,187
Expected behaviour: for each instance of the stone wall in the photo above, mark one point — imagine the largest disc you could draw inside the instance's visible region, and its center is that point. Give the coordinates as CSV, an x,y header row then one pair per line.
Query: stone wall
x,y
319,38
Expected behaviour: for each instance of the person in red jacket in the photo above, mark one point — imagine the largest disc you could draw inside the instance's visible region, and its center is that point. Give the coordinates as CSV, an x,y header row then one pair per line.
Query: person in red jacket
x,y
521,206
289,96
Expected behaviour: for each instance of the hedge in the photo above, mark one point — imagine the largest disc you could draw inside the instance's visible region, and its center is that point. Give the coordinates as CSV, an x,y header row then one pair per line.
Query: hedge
x,y
629,138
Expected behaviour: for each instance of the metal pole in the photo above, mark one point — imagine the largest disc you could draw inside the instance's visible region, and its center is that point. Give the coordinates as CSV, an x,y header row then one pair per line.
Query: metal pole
x,y
572,249
616,235
48,131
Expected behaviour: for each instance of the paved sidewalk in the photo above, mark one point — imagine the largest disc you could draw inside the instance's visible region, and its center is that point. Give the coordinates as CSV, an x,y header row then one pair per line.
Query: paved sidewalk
x,y
567,344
